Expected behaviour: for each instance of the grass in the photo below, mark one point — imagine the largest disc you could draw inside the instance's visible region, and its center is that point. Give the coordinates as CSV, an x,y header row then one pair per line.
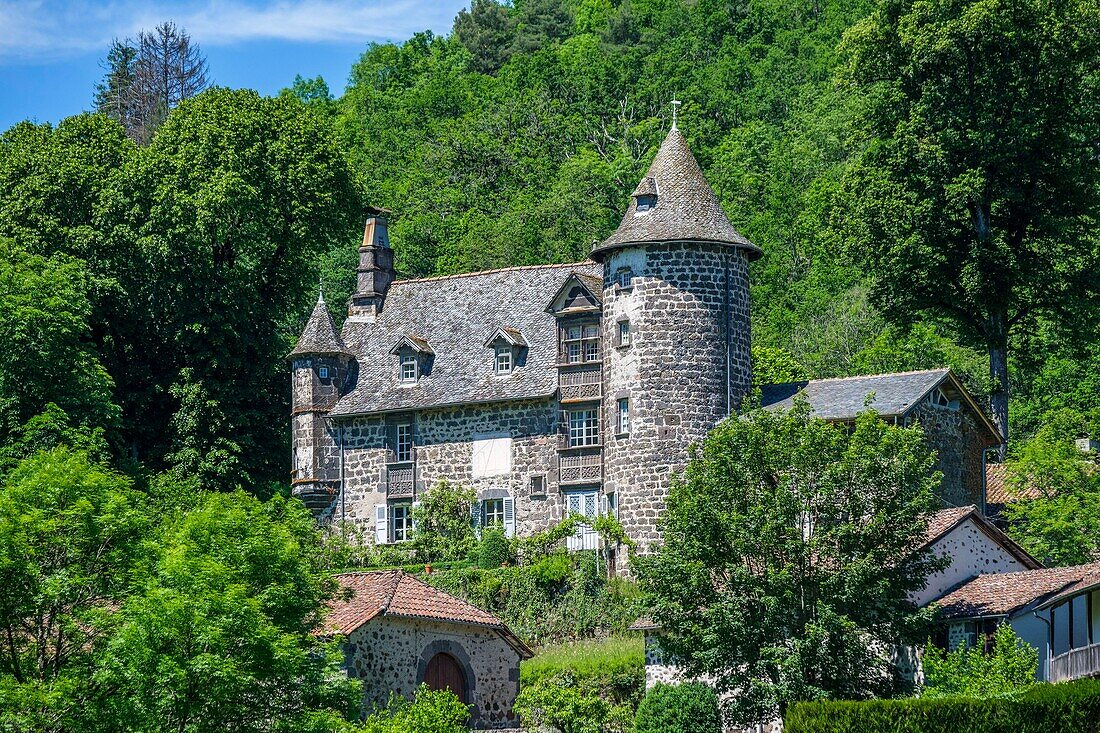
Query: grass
x,y
599,660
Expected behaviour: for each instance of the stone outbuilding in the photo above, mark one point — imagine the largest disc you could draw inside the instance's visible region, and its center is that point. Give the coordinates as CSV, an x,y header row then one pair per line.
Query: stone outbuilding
x,y
401,632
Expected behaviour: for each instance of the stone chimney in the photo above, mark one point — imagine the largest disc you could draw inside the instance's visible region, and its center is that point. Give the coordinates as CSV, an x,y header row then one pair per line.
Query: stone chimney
x,y
375,271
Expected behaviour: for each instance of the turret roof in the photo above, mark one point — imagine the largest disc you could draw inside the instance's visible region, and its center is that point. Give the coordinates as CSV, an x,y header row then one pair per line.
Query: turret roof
x,y
320,337
686,208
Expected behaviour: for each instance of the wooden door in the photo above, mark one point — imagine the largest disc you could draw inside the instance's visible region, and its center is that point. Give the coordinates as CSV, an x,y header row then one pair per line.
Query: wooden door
x,y
443,673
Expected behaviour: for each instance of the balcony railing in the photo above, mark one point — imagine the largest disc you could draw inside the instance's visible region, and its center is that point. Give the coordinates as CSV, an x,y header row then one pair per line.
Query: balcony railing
x,y
580,468
578,386
1076,663
401,480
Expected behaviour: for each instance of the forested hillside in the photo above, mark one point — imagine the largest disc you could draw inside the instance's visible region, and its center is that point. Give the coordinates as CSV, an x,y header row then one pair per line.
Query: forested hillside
x,y
151,292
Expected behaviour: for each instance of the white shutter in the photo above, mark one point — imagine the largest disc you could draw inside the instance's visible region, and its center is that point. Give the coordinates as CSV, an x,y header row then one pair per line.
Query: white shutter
x,y
412,515
604,507
381,524
509,517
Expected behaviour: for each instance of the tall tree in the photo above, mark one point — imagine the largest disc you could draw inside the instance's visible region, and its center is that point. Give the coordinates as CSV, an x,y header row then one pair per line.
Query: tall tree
x,y
978,188
788,558
114,95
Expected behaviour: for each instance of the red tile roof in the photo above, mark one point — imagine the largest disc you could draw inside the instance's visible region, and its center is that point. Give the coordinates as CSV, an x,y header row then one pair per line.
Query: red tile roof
x,y
1000,594
366,595
945,520
1000,491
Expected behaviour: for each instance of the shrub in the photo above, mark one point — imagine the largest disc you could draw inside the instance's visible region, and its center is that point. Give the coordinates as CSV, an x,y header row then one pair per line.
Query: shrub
x,y
431,711
614,667
494,549
688,708
561,704
970,672
1072,707
444,530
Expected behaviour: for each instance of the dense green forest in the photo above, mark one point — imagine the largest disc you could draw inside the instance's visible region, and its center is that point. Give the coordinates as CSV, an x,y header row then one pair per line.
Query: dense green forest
x,y
150,292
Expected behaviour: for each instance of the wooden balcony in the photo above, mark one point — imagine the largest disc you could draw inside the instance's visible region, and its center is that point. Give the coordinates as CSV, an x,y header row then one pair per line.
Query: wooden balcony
x,y
400,479
580,386
580,468
1076,663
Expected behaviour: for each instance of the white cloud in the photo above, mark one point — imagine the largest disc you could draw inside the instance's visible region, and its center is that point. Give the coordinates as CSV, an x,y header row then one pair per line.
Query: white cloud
x,y
47,30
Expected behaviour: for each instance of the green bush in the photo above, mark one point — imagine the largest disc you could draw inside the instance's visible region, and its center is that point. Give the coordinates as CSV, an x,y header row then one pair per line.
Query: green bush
x,y
494,549
1072,707
431,711
444,531
971,672
688,708
562,704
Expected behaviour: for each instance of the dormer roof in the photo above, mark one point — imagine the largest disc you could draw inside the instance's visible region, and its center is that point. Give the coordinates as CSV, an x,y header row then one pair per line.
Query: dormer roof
x,y
319,337
418,344
580,292
686,208
510,335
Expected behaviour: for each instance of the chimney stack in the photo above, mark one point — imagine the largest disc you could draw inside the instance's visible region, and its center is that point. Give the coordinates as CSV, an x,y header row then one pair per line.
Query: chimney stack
x,y
375,271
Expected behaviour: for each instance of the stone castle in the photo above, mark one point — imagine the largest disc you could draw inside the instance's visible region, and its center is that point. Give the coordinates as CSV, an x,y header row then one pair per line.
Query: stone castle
x,y
569,388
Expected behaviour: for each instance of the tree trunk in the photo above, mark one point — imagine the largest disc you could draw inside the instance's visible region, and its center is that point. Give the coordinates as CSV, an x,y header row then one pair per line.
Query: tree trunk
x,y
998,371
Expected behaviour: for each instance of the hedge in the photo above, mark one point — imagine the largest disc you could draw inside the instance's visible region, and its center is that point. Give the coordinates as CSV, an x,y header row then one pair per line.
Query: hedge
x,y
1072,707
688,708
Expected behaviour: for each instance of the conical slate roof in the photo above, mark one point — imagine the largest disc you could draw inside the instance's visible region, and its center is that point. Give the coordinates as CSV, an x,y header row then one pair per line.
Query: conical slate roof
x,y
319,337
686,208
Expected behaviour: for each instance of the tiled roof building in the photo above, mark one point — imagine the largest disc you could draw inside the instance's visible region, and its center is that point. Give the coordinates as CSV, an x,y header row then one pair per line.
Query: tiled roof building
x,y
561,388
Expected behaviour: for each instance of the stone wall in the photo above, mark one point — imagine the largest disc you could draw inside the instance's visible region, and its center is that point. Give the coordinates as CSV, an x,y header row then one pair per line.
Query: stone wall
x,y
960,443
685,302
390,654
444,450
315,456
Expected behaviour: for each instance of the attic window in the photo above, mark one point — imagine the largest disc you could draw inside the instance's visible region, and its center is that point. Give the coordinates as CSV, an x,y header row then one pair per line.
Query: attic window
x,y
939,399
409,368
624,278
322,372
504,359
646,201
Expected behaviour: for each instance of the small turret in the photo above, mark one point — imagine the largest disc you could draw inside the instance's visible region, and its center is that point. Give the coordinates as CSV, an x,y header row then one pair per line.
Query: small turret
x,y
375,271
322,369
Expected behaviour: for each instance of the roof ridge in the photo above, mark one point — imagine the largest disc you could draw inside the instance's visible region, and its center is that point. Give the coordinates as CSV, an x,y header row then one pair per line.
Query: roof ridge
x,y
434,278
862,376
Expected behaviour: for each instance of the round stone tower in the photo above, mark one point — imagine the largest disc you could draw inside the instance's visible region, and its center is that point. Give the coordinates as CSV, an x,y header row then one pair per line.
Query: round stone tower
x,y
321,369
675,332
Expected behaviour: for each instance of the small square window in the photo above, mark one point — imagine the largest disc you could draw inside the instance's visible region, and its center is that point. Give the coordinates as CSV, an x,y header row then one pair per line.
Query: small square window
x,y
538,486
624,333
503,360
408,368
323,372
624,416
625,278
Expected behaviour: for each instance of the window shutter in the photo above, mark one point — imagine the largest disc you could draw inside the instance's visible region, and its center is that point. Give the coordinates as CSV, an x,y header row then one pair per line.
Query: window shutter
x,y
412,514
381,524
475,517
509,517
604,508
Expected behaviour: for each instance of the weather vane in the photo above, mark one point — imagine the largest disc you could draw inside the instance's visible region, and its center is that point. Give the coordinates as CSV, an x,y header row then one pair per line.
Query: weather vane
x,y
675,106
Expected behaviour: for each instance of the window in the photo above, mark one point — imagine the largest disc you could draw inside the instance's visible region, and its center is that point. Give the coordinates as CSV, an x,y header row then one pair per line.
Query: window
x,y
404,447
581,343
323,372
646,202
492,512
625,278
584,428
538,486
408,368
624,333
504,360
400,522
623,418
613,505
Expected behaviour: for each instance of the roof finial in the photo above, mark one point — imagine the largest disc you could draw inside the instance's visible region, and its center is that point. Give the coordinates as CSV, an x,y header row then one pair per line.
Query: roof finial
x,y
675,106
320,291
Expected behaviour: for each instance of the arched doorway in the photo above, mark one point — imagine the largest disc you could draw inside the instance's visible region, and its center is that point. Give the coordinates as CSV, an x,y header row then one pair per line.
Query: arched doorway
x,y
444,673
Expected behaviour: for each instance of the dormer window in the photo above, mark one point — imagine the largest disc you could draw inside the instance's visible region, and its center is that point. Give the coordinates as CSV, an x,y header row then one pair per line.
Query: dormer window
x,y
322,372
409,368
939,399
646,202
503,359
624,278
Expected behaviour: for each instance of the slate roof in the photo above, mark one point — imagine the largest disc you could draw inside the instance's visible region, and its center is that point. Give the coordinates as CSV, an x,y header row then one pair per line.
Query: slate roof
x,y
367,595
455,315
1002,594
686,209
319,337
843,398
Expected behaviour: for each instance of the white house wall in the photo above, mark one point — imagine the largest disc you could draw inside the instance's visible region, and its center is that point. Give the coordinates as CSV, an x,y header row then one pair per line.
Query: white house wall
x,y
972,553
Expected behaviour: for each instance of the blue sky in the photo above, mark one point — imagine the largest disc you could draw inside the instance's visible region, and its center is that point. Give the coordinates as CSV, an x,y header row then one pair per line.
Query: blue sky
x,y
50,50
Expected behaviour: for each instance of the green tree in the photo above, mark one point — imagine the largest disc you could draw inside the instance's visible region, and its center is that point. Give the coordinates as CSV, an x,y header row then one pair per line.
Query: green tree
x,y
691,707
219,637
1007,669
442,521
1061,525
975,194
559,704
70,539
787,558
